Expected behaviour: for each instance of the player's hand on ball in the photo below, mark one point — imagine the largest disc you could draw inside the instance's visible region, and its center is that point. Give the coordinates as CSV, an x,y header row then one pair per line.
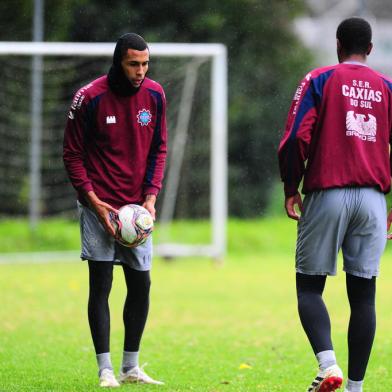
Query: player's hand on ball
x,y
102,210
290,204
149,205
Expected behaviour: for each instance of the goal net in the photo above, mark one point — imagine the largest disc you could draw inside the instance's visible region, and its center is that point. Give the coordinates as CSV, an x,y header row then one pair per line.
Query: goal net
x,y
38,82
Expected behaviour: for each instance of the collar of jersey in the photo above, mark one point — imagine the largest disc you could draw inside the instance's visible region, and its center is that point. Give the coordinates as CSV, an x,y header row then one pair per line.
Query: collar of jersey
x,y
355,63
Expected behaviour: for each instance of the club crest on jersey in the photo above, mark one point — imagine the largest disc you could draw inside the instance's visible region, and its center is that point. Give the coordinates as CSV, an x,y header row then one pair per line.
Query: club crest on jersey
x,y
144,117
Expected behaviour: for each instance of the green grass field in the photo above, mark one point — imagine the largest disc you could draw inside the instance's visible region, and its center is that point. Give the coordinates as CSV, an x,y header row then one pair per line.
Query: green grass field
x,y
211,328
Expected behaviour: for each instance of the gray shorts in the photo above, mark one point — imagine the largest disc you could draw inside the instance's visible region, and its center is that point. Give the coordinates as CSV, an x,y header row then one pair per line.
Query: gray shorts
x,y
97,245
351,219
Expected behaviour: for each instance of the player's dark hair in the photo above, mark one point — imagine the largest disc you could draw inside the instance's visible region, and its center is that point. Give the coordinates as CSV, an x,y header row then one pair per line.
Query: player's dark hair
x,y
354,35
128,41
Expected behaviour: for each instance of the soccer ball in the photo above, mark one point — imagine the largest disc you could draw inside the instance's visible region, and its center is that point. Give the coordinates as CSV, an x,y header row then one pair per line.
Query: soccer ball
x,y
133,225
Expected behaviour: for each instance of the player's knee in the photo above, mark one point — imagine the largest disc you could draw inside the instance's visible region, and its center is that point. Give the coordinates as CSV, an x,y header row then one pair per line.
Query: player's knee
x,y
146,283
310,284
361,290
141,283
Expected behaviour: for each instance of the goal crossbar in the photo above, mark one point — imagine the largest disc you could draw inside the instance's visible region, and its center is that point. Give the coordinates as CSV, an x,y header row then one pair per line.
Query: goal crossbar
x,y
106,49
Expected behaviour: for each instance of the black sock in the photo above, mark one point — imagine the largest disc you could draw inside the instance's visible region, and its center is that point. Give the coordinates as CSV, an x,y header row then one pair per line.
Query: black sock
x,y
361,294
136,306
100,278
312,311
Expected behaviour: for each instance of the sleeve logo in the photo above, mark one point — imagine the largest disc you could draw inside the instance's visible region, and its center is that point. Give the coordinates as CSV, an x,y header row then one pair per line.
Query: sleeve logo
x,y
144,117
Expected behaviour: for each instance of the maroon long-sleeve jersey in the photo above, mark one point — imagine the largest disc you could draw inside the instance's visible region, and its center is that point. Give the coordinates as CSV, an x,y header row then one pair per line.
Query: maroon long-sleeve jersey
x,y
116,145
338,130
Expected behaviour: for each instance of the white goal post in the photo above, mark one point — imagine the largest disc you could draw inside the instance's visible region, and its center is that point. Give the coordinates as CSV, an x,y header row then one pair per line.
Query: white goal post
x,y
218,125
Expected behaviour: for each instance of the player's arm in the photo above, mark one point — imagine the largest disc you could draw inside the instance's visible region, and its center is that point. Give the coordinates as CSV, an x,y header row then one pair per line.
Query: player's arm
x,y
74,146
389,221
149,204
73,156
156,159
293,206
294,146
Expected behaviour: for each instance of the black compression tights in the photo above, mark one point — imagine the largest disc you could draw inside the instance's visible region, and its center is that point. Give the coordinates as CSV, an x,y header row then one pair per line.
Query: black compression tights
x,y
312,311
361,294
315,319
135,308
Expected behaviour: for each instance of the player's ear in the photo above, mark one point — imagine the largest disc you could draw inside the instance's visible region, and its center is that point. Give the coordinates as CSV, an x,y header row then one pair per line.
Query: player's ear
x,y
370,47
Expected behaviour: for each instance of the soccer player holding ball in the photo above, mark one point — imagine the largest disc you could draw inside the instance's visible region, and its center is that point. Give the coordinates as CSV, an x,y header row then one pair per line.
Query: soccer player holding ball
x,y
337,141
114,153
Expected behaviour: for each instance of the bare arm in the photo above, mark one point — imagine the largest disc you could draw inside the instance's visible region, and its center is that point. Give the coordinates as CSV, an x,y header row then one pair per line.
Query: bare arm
x,y
149,204
290,205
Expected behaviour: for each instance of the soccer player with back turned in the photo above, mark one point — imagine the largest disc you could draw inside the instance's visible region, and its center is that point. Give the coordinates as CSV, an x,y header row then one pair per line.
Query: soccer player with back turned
x,y
337,141
114,153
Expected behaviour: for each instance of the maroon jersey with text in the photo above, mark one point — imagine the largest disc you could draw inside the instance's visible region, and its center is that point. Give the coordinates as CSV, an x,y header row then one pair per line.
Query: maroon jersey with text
x,y
338,130
116,145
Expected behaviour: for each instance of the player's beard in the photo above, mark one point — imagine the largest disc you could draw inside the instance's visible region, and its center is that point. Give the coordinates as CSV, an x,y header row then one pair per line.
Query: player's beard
x,y
119,83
